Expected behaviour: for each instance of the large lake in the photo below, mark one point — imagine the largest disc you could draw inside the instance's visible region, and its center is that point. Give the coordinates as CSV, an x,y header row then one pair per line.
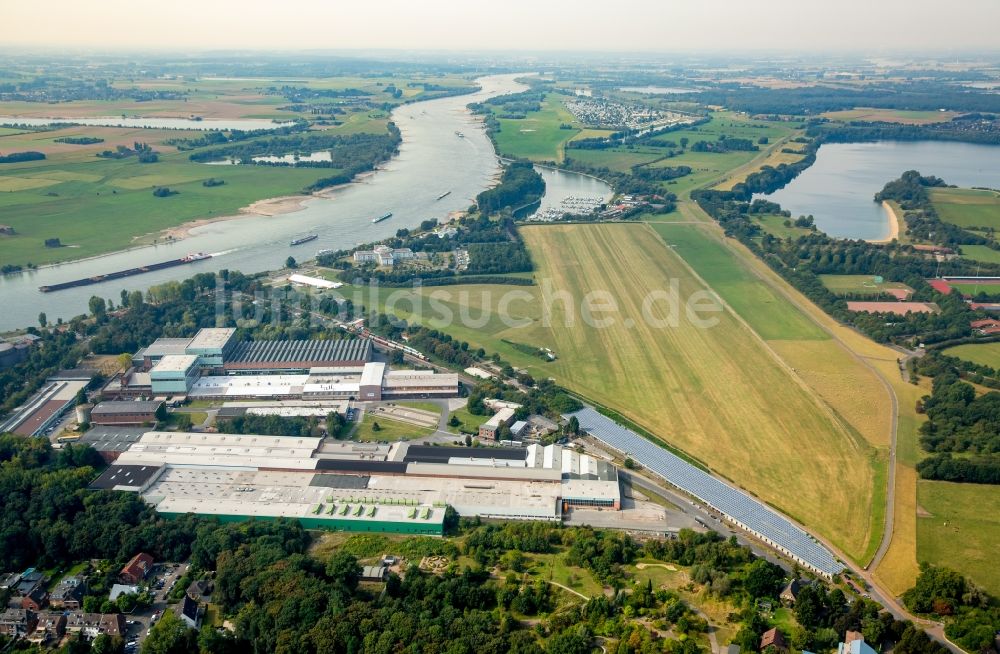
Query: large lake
x,y
138,122
432,159
838,190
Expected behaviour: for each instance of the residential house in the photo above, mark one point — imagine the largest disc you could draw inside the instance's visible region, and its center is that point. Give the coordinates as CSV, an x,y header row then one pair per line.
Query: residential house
x,y
773,638
30,580
137,569
201,590
791,591
69,593
854,643
93,625
191,612
36,600
51,627
15,623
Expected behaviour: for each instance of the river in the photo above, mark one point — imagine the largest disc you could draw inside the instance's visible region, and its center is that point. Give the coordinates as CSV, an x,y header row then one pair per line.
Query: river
x,y
139,122
432,159
838,189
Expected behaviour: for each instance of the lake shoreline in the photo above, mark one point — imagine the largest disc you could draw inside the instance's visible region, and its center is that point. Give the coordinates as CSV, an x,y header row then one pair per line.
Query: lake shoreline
x,y
893,219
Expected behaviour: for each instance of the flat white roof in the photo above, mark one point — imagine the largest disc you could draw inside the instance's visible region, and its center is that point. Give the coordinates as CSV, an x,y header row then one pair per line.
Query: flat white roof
x,y
503,415
249,386
211,337
176,363
373,374
316,282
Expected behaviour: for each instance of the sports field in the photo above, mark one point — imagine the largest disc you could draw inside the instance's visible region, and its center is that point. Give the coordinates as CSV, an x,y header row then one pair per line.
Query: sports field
x,y
860,285
974,289
985,354
538,136
958,526
967,207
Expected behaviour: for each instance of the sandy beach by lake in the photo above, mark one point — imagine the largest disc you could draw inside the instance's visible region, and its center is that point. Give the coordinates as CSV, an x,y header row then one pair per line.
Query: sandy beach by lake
x,y
893,219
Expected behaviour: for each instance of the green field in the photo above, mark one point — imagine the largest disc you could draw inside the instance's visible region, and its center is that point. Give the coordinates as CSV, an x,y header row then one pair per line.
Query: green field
x,y
910,117
770,316
538,136
958,526
469,422
390,430
975,289
967,207
859,284
980,253
93,217
985,354
775,226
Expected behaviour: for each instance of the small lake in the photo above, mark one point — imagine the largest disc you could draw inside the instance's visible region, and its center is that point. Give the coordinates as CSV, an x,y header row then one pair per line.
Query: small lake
x,y
839,189
656,90
139,122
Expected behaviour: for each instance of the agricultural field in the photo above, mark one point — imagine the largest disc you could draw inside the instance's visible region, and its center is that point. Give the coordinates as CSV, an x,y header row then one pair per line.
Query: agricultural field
x,y
967,207
980,253
717,393
985,354
620,159
891,116
859,285
958,525
538,137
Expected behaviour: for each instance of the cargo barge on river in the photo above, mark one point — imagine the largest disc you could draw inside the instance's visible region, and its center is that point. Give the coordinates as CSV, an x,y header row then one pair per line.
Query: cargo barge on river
x,y
97,279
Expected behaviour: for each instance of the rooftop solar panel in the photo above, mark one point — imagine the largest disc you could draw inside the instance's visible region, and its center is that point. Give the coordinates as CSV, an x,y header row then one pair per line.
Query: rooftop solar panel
x,y
739,507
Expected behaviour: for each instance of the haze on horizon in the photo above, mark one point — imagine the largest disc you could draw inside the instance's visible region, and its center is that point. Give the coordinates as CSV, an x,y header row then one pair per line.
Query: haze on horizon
x,y
871,26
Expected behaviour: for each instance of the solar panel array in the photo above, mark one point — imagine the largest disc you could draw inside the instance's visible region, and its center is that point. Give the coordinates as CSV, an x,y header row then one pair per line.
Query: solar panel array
x,y
332,351
735,504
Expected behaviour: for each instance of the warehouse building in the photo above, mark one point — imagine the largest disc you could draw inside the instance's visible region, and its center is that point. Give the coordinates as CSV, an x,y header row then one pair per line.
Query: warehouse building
x,y
373,487
125,413
298,356
111,441
490,429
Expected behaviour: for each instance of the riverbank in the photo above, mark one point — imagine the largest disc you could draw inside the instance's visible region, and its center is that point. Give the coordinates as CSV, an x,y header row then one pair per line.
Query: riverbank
x,y
265,208
893,220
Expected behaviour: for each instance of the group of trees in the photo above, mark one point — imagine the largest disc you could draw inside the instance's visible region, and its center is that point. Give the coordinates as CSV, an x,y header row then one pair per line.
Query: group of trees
x,y
922,220
972,616
959,421
520,185
142,151
271,425
19,157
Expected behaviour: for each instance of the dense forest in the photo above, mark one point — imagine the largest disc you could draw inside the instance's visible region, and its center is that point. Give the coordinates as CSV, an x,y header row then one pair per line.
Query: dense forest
x,y
972,617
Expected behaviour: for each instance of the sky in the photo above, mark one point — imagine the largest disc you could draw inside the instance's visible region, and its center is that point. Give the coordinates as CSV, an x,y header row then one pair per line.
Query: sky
x,y
804,26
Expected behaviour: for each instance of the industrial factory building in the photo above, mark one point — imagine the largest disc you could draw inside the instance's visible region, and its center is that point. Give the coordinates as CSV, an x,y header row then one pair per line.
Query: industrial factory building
x,y
400,488
214,365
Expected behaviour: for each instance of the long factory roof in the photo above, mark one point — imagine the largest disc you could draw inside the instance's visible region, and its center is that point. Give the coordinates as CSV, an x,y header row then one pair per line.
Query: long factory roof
x,y
332,351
